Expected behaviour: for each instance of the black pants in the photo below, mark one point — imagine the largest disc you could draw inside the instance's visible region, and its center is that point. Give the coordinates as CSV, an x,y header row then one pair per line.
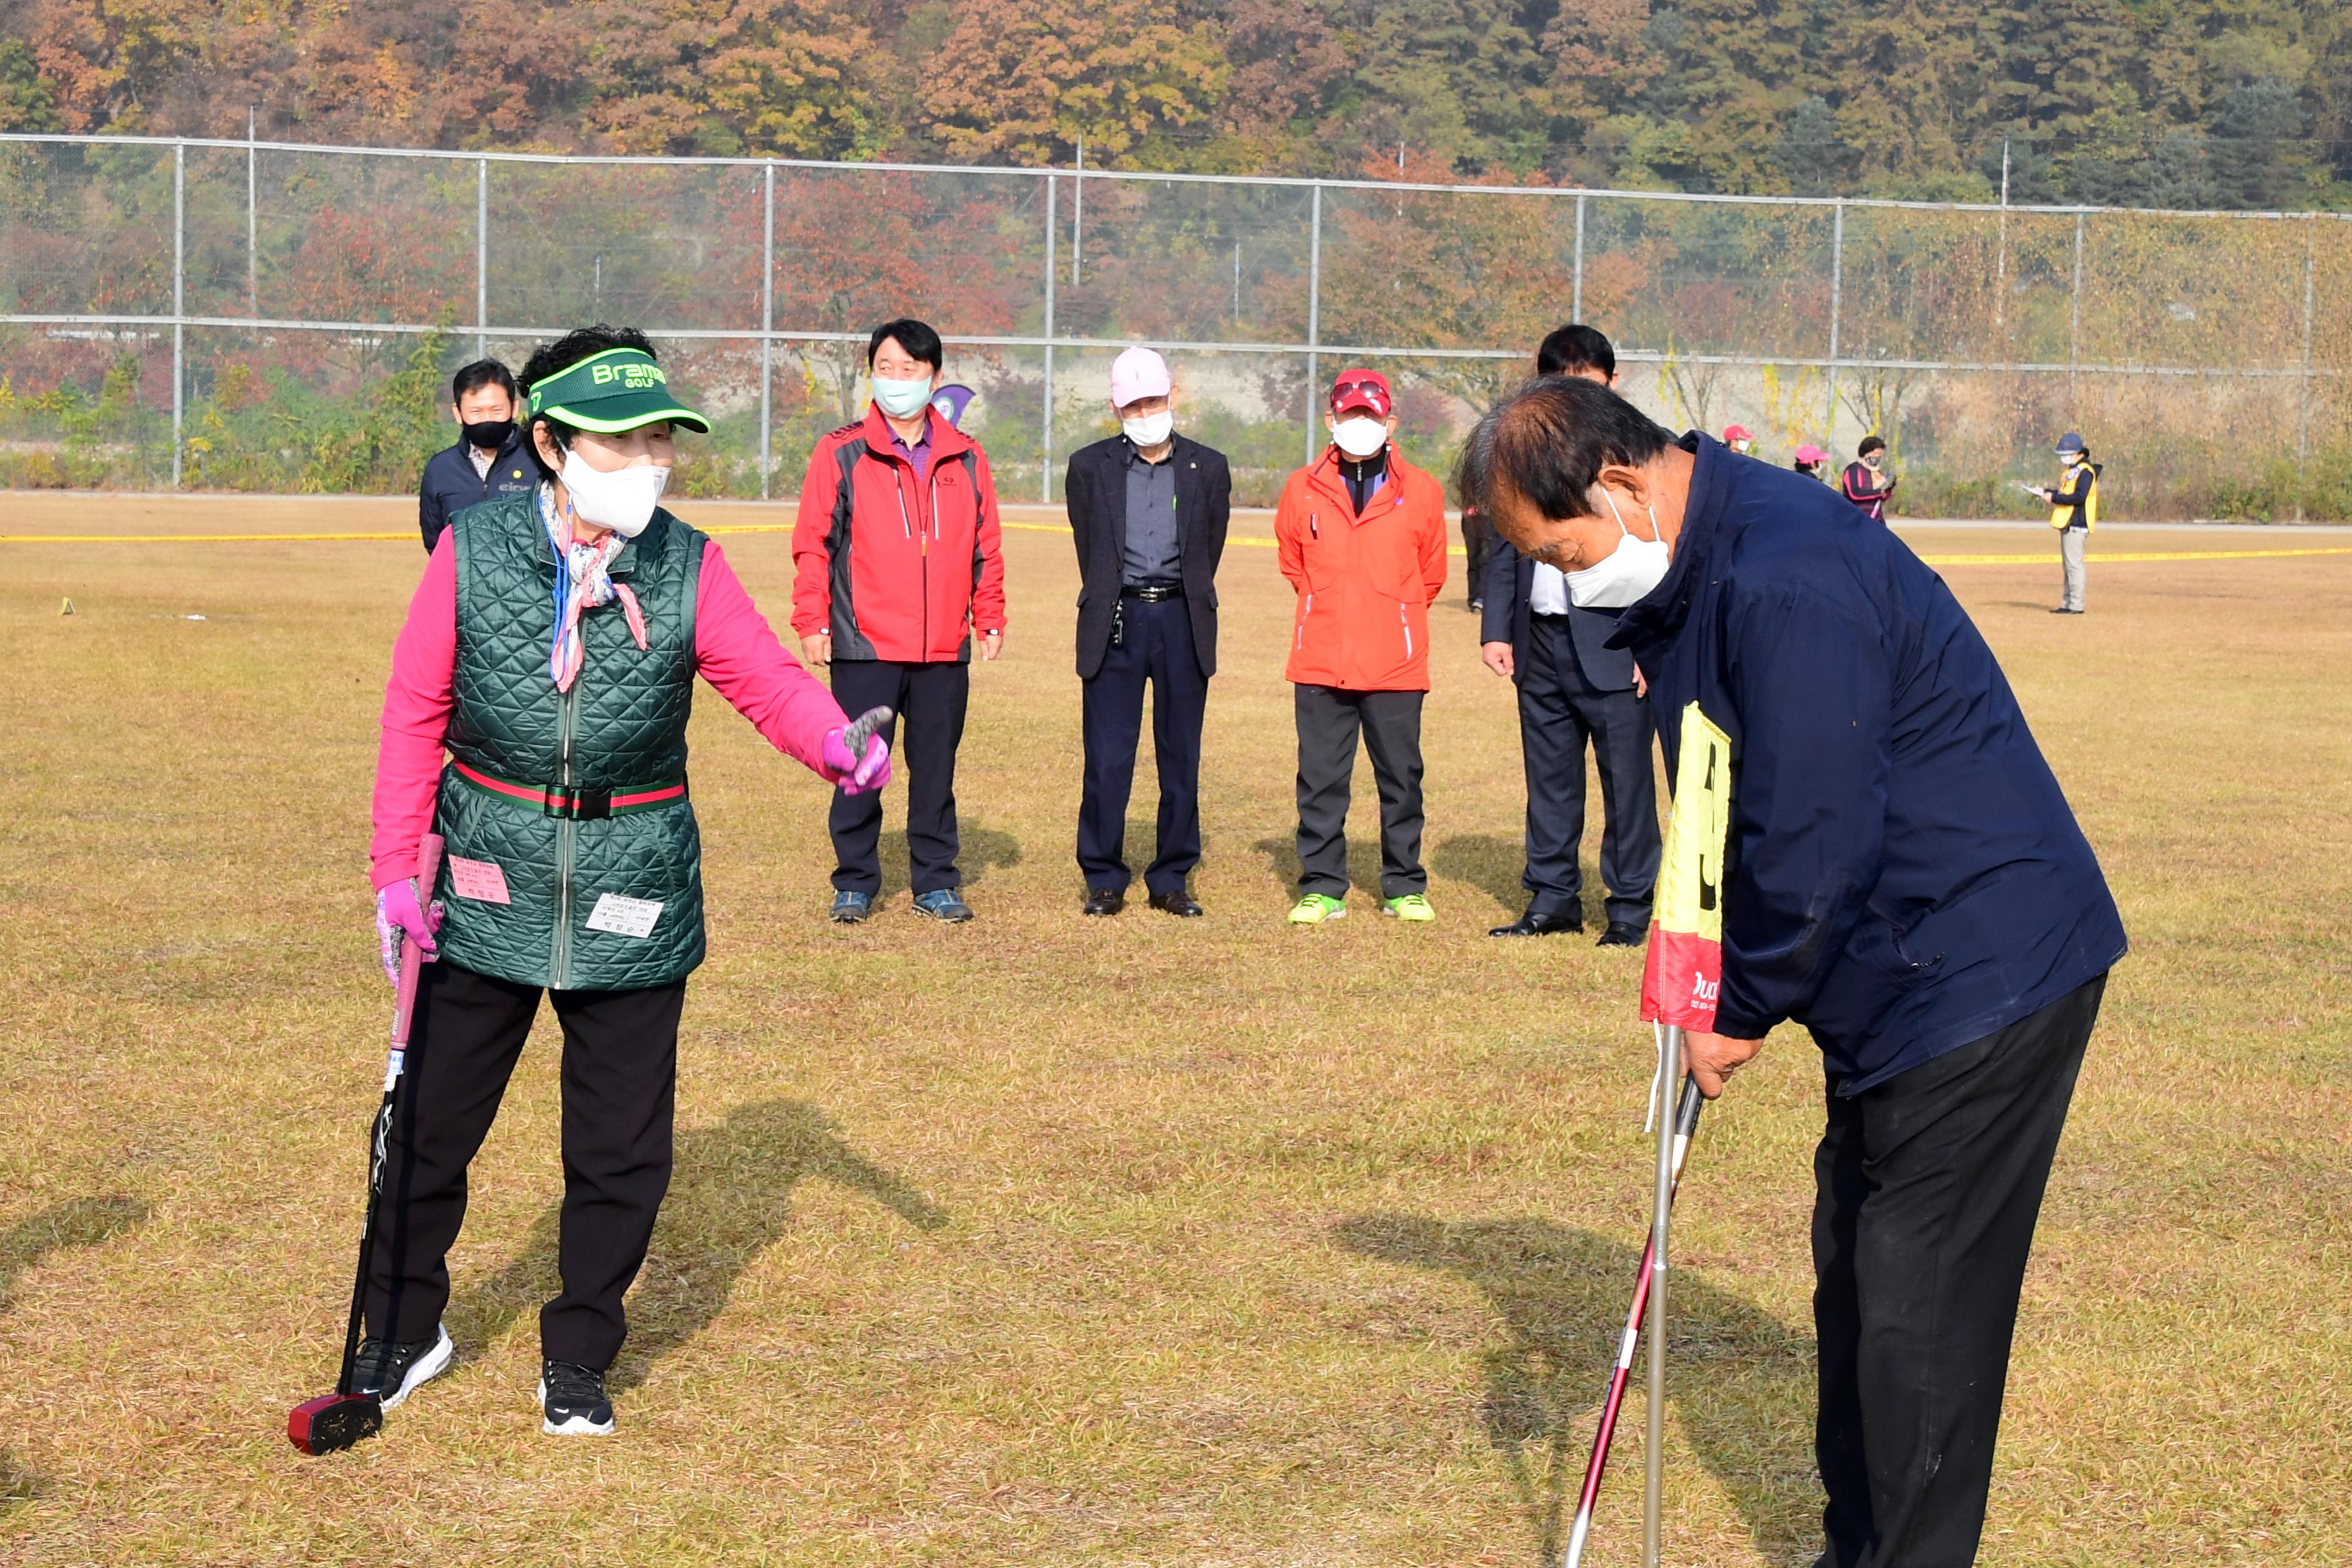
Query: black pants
x,y
1560,711
1329,721
619,1079
1928,1190
1156,645
928,702
1477,544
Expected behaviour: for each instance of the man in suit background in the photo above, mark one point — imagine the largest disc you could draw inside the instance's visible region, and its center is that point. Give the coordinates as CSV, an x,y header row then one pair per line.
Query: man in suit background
x,y
1147,511
1573,689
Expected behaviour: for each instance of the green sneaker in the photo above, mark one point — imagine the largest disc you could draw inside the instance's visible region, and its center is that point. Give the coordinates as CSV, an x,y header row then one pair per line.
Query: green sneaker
x,y
1313,909
1411,907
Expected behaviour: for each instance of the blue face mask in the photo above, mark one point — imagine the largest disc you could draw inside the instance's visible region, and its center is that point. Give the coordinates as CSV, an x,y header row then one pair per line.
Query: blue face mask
x,y
901,399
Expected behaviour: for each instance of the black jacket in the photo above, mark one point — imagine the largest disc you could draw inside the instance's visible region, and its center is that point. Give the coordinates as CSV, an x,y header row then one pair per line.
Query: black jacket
x,y
450,484
1510,578
1903,874
1096,493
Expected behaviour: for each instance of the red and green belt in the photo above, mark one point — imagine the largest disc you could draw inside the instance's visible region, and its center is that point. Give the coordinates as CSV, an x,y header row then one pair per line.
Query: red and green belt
x,y
575,801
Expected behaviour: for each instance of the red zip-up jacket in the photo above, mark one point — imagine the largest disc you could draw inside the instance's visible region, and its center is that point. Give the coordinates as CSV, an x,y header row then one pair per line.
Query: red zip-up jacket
x,y
892,568
1365,584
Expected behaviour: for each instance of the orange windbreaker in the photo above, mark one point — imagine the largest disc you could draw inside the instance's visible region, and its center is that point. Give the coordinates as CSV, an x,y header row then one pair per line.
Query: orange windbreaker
x,y
1364,583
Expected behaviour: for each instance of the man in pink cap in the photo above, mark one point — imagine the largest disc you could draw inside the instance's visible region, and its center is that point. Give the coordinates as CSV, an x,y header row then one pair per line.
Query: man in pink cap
x,y
1147,511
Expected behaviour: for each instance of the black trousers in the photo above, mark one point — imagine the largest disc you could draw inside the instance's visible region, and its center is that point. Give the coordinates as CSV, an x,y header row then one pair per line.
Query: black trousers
x,y
1929,1187
1328,722
1156,647
1477,544
620,1080
1560,711
928,702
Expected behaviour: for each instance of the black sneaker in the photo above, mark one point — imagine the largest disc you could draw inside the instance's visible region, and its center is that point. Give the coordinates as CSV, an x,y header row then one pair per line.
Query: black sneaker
x,y
393,1371
572,1398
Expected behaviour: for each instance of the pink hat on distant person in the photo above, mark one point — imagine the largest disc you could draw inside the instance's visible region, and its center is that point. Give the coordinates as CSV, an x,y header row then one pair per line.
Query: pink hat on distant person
x,y
1809,453
1138,372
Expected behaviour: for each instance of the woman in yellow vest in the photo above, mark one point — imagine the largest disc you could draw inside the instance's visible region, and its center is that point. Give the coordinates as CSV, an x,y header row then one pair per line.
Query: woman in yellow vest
x,y
2074,512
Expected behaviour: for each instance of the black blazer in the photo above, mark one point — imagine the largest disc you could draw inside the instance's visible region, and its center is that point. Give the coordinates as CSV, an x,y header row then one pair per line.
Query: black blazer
x,y
1096,493
1510,579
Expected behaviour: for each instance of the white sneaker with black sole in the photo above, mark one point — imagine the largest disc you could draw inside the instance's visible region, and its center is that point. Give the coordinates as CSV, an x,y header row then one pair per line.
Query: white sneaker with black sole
x,y
572,1400
394,1371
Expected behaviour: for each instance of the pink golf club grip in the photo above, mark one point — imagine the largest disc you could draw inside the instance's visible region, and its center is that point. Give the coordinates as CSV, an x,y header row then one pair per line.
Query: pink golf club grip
x,y
412,957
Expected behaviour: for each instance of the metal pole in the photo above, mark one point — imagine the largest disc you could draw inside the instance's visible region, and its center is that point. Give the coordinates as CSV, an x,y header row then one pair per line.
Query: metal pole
x,y
767,320
2001,267
1837,310
2074,320
482,260
2302,406
1079,214
1237,282
1576,291
1314,309
179,304
1654,1457
1045,466
252,227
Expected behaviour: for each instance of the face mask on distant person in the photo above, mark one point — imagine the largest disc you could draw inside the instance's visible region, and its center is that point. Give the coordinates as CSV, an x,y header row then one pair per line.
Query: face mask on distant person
x,y
489,435
1627,572
621,499
1360,436
901,399
1149,429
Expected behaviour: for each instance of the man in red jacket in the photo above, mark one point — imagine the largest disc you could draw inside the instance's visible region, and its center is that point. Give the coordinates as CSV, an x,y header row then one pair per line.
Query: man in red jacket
x,y
897,565
1363,537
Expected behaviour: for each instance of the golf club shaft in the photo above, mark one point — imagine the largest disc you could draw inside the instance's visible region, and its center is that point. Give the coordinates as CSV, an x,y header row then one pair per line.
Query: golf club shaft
x,y
1686,1124
1653,1456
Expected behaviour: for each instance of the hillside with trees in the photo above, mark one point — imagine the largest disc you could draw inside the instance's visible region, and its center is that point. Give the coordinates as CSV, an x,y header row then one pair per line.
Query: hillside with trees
x,y
2234,103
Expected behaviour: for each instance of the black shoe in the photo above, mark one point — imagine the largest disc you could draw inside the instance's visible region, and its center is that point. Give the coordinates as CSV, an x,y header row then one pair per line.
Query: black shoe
x,y
392,1372
1105,900
1543,922
1176,901
943,905
572,1400
1623,933
1476,605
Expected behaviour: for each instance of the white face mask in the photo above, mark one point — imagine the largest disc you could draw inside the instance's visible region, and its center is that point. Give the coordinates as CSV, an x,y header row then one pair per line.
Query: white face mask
x,y
1148,429
621,499
1626,573
901,399
1361,436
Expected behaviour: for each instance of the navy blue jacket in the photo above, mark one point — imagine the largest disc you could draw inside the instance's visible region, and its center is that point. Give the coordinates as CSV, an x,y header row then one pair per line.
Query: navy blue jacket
x,y
1510,579
450,484
1904,875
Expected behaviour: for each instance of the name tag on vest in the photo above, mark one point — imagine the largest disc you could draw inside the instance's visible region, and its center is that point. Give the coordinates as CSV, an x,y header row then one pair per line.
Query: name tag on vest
x,y
481,880
625,916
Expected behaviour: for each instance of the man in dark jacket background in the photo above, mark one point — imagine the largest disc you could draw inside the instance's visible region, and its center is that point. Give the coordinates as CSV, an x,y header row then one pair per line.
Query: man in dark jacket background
x,y
1147,511
1902,876
488,461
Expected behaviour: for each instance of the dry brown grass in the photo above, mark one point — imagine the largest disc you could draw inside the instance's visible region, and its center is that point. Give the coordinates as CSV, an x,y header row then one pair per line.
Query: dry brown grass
x,y
1048,1240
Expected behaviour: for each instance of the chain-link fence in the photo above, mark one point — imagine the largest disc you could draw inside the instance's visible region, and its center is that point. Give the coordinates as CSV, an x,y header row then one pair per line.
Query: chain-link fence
x,y
266,316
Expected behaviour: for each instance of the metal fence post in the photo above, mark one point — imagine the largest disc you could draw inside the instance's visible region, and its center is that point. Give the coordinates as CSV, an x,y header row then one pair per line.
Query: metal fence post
x,y
2303,401
767,320
1045,442
179,305
1314,309
2074,322
1576,290
482,260
1837,311
252,227
1079,215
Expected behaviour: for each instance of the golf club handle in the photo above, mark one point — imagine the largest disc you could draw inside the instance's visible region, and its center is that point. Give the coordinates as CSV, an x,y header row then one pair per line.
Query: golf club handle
x,y
412,957
863,729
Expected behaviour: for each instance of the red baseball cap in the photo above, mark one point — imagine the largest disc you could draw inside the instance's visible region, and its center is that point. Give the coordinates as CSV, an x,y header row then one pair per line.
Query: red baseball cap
x,y
1736,433
1362,389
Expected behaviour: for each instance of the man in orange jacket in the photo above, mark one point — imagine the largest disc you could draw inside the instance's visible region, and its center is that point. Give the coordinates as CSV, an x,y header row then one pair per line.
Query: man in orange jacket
x,y
1363,537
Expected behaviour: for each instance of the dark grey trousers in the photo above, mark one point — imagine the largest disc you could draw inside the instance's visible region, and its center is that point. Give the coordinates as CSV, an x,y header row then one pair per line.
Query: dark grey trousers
x,y
1328,722
1560,711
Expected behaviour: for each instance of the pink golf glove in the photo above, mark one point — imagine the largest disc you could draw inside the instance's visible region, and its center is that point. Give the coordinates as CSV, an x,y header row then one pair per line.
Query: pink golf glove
x,y
398,915
855,775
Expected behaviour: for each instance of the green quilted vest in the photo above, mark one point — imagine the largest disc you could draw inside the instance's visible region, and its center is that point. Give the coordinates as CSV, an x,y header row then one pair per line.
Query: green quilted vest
x,y
579,873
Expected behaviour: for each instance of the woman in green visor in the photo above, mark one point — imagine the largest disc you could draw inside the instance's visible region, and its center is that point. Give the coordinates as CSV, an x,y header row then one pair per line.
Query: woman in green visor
x,y
536,720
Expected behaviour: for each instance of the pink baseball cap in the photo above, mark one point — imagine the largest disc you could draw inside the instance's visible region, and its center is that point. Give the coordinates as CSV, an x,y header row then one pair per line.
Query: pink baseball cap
x,y
1138,372
1809,453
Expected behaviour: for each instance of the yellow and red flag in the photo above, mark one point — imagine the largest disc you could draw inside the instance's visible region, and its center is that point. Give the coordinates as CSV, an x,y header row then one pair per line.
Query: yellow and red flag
x,y
1682,975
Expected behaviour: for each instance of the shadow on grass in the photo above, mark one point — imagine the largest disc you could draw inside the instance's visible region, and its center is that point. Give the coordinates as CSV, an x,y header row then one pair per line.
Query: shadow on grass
x,y
1741,1382
729,1199
1488,862
77,1222
978,849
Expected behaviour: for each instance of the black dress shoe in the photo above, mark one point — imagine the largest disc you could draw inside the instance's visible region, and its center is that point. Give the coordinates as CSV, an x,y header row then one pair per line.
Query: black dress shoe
x,y
1543,922
1177,902
1623,933
1105,900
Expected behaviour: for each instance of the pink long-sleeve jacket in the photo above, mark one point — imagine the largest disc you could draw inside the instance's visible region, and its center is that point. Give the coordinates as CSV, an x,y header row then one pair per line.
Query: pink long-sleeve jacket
x,y
733,650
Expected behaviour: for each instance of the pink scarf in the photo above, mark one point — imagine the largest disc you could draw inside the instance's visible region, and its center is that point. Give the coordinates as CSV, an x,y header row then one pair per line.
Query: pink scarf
x,y
581,583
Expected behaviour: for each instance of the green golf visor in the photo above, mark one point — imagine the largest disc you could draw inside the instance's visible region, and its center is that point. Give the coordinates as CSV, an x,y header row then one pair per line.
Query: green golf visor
x,y
617,390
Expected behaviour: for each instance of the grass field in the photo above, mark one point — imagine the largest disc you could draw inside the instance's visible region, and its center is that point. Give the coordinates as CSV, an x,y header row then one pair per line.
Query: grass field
x,y
1044,1240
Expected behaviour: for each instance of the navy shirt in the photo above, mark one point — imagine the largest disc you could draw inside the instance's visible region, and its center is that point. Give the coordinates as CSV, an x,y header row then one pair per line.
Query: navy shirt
x,y
1904,875
1151,554
450,484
